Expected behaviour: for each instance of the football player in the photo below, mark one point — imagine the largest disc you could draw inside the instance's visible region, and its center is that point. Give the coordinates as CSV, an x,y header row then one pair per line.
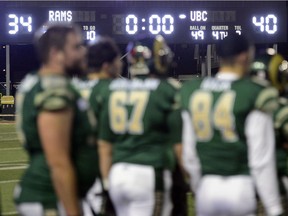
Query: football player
x,y
53,125
103,64
273,68
141,123
228,136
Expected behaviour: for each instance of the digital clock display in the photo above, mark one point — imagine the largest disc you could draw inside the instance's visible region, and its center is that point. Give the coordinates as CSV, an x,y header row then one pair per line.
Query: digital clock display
x,y
178,22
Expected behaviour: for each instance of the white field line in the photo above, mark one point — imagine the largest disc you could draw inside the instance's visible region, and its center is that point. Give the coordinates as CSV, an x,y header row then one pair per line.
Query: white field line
x,y
13,165
11,149
12,139
9,213
13,162
9,181
13,168
5,133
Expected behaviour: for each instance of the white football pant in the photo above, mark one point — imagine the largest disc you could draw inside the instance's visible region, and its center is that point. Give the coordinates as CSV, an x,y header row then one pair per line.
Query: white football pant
x,y
226,196
133,193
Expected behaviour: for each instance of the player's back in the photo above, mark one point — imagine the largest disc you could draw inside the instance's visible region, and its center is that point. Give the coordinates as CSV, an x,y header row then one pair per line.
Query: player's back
x,y
219,109
138,111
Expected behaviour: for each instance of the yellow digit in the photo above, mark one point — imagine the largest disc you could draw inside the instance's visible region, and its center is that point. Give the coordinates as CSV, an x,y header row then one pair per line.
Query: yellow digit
x,y
139,99
200,105
119,121
85,93
223,116
118,112
223,119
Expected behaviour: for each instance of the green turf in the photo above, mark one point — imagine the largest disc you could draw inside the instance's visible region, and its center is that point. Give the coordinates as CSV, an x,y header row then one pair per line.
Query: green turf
x,y
9,144
7,175
7,197
9,127
12,156
12,162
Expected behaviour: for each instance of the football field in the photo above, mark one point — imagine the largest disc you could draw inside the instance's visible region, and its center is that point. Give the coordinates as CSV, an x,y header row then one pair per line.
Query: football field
x,y
13,162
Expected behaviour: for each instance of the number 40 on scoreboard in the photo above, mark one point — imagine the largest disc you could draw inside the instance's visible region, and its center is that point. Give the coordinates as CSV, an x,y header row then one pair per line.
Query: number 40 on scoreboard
x,y
266,24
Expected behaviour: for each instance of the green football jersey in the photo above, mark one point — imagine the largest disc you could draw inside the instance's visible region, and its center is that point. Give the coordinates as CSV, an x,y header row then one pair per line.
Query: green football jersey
x,y
281,132
95,99
84,87
142,120
52,93
91,90
218,111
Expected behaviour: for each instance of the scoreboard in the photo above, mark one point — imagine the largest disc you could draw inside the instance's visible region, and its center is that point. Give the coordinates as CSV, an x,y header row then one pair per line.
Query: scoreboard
x,y
177,21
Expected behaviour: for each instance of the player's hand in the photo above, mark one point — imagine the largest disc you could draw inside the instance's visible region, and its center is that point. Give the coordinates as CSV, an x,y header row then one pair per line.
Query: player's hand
x,y
107,208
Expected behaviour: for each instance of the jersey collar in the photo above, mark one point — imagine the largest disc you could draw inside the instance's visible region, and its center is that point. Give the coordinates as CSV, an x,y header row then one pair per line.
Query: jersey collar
x,y
227,76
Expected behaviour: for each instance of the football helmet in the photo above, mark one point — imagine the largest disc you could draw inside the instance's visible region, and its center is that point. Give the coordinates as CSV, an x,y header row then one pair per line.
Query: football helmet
x,y
149,56
272,67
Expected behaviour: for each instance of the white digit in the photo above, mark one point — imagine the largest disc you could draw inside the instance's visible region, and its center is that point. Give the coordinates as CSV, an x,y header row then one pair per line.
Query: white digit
x,y
194,34
274,20
135,22
198,35
259,23
151,22
201,34
13,24
91,35
27,24
170,20
215,34
238,32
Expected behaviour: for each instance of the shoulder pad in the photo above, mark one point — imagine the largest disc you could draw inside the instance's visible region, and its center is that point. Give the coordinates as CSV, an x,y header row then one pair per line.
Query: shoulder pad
x,y
267,100
84,86
283,101
53,99
261,82
49,82
28,83
281,116
175,83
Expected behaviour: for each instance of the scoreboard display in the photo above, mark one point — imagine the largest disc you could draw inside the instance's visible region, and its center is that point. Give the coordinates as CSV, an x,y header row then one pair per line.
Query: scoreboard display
x,y
177,21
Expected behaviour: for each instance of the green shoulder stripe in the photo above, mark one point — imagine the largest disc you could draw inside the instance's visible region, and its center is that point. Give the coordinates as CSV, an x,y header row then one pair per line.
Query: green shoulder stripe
x,y
261,82
175,83
54,99
281,117
267,100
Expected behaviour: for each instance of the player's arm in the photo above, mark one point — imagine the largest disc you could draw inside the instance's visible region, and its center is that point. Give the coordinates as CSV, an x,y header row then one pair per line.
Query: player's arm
x,y
175,133
105,160
105,147
190,159
54,126
55,133
285,133
281,122
175,124
259,131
